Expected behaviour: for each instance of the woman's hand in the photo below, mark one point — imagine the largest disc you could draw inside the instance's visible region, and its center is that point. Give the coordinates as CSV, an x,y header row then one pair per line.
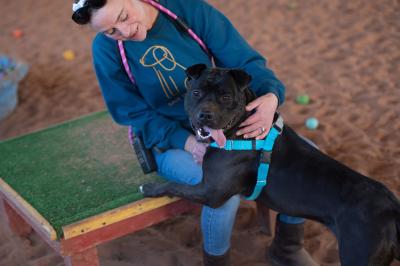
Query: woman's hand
x,y
197,149
258,124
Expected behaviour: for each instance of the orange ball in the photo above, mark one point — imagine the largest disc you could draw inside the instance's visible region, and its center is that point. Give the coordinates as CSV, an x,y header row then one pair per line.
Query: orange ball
x,y
17,33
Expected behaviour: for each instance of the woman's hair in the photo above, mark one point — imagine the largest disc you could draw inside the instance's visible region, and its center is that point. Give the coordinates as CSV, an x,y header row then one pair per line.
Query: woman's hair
x,y
84,14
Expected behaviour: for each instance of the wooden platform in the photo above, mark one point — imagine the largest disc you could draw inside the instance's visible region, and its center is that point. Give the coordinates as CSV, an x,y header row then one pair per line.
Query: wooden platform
x,y
76,185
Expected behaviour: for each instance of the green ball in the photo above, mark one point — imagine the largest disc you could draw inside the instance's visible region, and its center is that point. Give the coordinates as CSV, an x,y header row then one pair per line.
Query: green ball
x,y
303,99
312,123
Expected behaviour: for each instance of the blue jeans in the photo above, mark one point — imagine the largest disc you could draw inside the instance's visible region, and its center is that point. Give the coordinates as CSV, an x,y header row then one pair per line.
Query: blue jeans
x,y
216,224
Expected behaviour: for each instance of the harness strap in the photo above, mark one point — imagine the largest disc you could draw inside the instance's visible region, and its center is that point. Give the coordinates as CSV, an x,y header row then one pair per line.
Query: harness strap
x,y
266,145
265,161
263,144
246,145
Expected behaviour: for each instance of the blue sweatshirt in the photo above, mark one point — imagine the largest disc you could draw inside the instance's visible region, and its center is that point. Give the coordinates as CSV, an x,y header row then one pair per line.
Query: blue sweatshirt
x,y
154,106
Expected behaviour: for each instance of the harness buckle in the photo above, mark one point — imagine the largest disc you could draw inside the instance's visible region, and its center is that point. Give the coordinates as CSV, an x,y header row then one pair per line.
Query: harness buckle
x,y
278,124
279,129
265,157
229,144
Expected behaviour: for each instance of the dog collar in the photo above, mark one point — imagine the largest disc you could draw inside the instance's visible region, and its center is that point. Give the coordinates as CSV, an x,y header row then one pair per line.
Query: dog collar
x,y
266,145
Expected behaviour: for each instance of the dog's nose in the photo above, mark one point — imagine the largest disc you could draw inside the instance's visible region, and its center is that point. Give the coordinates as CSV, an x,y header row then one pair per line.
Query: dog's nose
x,y
205,116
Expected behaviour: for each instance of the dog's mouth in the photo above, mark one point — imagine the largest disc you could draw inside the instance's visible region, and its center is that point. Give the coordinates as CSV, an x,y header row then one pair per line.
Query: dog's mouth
x,y
205,134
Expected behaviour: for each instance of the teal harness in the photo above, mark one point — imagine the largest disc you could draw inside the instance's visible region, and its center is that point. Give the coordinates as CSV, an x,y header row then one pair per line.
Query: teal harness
x,y
266,145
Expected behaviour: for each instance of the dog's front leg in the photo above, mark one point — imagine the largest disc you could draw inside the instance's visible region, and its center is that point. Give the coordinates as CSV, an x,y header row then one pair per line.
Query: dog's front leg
x,y
197,193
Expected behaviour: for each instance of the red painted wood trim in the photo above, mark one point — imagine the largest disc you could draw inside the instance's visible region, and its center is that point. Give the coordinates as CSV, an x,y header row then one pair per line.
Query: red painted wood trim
x,y
133,224
33,223
15,221
88,257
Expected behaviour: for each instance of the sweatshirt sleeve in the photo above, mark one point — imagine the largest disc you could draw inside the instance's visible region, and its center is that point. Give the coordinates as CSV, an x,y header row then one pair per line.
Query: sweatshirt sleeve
x,y
231,50
126,105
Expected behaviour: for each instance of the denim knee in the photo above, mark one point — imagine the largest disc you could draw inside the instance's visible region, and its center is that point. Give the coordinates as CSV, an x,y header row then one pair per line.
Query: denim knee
x,y
178,166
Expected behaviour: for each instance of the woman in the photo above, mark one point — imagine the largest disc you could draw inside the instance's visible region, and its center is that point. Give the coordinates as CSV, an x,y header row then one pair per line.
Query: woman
x,y
147,93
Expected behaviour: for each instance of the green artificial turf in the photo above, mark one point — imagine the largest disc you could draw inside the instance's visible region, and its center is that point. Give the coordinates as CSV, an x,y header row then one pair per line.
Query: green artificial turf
x,y
74,170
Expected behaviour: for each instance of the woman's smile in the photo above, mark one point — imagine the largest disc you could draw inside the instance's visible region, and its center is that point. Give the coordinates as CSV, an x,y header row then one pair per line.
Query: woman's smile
x,y
132,36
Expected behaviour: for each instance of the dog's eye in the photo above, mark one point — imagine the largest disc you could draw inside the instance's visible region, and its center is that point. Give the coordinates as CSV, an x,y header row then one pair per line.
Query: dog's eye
x,y
226,98
196,93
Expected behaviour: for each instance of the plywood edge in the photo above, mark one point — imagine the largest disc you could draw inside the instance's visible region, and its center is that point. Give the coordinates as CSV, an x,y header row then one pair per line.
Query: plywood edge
x,y
23,206
115,215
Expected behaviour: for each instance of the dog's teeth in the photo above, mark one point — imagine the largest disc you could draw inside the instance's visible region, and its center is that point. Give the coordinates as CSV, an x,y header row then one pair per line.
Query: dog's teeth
x,y
203,134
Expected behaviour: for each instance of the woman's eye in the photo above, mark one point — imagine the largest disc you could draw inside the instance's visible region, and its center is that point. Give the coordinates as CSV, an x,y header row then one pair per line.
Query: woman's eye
x,y
125,18
111,31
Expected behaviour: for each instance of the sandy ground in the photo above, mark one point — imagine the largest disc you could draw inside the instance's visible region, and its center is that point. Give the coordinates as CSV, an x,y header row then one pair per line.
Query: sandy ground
x,y
344,54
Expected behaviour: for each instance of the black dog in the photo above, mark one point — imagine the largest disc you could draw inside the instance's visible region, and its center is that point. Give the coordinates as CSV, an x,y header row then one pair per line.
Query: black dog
x,y
302,181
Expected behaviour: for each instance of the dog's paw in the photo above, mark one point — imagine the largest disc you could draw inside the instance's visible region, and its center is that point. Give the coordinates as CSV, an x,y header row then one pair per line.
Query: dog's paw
x,y
150,190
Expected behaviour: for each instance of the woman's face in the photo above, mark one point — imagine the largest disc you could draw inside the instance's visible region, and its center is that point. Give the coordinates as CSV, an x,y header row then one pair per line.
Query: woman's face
x,y
124,19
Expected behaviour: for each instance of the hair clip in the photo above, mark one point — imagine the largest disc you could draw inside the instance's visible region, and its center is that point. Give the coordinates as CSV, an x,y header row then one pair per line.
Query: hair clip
x,y
78,5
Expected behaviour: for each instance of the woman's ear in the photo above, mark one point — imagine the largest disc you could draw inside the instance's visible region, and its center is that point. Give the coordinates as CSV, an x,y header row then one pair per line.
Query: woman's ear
x,y
241,78
194,72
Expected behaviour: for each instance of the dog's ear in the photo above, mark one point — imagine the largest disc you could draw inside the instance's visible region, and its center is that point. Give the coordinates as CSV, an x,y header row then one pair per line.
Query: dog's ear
x,y
241,78
194,72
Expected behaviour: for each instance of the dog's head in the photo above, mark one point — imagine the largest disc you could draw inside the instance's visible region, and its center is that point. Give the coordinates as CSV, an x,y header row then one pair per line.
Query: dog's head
x,y
216,100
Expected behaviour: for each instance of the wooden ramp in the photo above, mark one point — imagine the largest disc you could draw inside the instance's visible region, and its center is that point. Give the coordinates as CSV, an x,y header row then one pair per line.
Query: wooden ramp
x,y
76,184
